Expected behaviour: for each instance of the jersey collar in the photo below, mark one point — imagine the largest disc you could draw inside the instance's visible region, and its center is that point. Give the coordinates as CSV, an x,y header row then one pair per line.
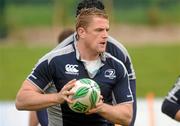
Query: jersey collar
x,y
78,57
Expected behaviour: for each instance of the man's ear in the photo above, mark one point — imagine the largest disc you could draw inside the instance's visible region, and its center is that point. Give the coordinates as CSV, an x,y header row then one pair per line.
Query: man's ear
x,y
81,32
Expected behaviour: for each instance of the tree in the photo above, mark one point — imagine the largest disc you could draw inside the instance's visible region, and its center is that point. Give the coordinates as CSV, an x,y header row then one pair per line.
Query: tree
x,y
3,25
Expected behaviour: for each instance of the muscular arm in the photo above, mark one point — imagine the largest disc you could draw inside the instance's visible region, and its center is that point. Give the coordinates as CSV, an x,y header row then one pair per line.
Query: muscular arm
x,y
118,114
30,97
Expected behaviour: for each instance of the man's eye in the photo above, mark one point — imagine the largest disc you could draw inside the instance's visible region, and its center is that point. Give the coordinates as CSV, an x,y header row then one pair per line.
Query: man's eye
x,y
99,30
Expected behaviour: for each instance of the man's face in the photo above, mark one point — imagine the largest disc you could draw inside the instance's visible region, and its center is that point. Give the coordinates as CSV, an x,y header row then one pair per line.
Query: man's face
x,y
96,34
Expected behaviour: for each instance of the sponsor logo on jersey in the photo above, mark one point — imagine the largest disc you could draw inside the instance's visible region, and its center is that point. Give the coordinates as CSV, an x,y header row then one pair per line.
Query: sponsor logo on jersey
x,y
71,69
110,73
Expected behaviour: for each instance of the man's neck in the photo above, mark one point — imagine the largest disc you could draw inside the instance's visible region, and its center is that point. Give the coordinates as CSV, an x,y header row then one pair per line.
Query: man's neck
x,y
86,53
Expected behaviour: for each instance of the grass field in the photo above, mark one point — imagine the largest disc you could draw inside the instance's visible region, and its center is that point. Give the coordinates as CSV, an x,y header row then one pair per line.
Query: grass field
x,y
16,63
156,67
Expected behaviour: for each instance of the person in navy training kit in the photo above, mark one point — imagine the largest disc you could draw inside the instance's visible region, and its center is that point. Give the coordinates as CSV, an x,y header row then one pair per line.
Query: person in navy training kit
x,y
85,58
114,47
171,104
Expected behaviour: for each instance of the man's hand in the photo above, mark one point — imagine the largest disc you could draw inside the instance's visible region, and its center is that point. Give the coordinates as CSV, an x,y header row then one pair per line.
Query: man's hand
x,y
98,107
63,95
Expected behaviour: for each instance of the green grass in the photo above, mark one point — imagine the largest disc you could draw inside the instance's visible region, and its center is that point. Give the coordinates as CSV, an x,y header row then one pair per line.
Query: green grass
x,y
16,63
156,67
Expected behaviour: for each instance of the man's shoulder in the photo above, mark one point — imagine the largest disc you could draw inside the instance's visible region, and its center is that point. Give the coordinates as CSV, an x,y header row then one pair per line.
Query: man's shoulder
x,y
115,62
116,43
117,49
65,42
58,52
61,52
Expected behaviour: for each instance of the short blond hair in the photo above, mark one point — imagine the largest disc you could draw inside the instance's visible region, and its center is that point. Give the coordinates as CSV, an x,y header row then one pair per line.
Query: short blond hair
x,y
85,16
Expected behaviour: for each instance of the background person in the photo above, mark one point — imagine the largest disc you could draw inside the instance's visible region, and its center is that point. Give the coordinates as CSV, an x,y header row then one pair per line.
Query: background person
x,y
33,120
171,104
65,34
114,47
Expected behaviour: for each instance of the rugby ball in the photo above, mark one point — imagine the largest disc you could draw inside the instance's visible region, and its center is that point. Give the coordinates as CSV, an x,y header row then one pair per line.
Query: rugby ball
x,y
86,95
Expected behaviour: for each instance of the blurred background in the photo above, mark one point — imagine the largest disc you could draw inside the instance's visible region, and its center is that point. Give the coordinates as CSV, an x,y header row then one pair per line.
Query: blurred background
x,y
149,29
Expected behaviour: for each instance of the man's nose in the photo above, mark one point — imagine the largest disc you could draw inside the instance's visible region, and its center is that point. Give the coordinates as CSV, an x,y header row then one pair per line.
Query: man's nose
x,y
105,34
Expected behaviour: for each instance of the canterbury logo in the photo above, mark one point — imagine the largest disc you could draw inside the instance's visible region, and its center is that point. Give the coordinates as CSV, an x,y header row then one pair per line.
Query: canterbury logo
x,y
71,69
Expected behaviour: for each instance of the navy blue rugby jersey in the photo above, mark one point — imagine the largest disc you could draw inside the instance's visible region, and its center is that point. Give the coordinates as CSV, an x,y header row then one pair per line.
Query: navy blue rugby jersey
x,y
114,47
62,65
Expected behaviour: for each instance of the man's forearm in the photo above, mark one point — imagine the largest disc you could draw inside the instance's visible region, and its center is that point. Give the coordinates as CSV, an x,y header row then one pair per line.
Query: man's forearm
x,y
35,101
30,98
119,114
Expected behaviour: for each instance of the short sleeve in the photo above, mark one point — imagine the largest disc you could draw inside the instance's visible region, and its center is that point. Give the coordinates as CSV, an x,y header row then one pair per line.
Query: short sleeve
x,y
122,91
41,75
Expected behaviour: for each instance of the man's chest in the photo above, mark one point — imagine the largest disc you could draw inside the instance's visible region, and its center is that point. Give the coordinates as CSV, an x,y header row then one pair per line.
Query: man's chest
x,y
105,77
